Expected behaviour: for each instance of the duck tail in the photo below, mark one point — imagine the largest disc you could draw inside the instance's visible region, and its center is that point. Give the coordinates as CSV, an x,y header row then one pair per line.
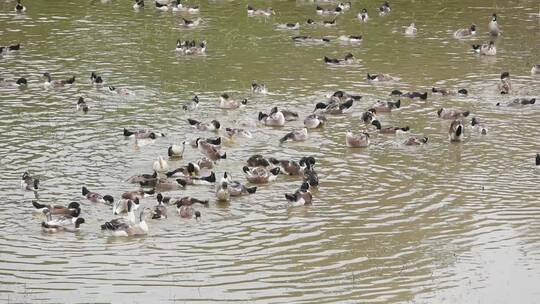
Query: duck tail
x,y
286,137
224,156
434,90
262,116
347,104
423,96
254,189
532,101
244,101
538,159
127,132
38,205
193,122
405,129
215,142
181,182
291,197
85,191
14,47
70,80
210,178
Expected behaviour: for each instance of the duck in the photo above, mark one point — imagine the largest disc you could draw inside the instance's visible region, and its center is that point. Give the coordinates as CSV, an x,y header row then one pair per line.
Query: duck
x,y
160,165
380,77
164,184
234,188
210,150
186,211
260,12
329,23
301,197
326,11
120,91
216,141
136,179
357,140
176,151
226,102
309,39
95,79
386,106
412,95
465,32
179,7
446,92
259,88
289,26
274,119
345,6
535,70
19,8
258,160
214,125
19,83
10,48
494,26
334,108
81,105
138,4
95,197
485,49
384,9
389,130
350,38
191,23
29,183
289,167
411,30
161,7
236,132
191,105
186,170
415,141
341,96
195,180
56,83
137,195
124,229
297,135
160,210
54,228
349,58
314,121
260,175
142,134
310,175
518,102
505,86
450,113
537,159
478,126
73,209
205,162
456,130
191,47
369,116
363,15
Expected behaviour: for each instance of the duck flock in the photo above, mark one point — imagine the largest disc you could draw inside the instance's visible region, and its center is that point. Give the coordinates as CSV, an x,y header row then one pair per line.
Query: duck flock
x,y
131,210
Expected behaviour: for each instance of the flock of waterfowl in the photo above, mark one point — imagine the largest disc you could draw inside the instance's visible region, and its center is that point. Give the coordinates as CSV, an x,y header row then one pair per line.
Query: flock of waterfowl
x,y
258,169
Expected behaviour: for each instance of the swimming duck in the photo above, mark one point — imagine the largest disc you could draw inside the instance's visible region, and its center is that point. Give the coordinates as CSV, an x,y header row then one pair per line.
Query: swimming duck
x,y
29,183
235,132
19,8
309,39
191,47
289,167
161,7
216,141
456,131
295,136
310,175
260,12
350,38
234,188
96,79
363,15
334,107
413,95
191,105
386,106
81,105
214,125
142,134
179,7
341,96
411,30
289,26
258,88
384,9
226,102
518,102
329,23
56,83
345,6
274,119
191,23
326,11
196,180
125,229
479,126
164,184
72,210
95,197
186,170
258,160
290,115
120,91
505,86
160,165
205,162
176,151
314,121
485,49
380,77
449,113
20,83
209,150
10,48
445,92
260,175
187,211
369,116
135,196
466,32
494,26
389,130
415,141
160,210
356,141
349,58
136,179
54,228
138,4
301,197
535,70
222,191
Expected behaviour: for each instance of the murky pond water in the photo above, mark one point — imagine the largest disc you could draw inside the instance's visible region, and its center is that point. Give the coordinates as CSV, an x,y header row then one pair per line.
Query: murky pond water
x,y
439,223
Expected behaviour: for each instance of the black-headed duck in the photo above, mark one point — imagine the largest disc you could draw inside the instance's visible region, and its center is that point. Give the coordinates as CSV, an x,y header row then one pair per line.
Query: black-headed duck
x,y
289,167
260,12
161,7
160,210
258,160
449,113
505,86
369,116
310,175
10,48
177,6
49,82
342,96
216,141
389,130
334,108
138,194
54,228
297,135
465,32
260,175
516,102
95,197
95,79
314,121
29,183
205,162
142,134
363,15
494,26
360,140
384,9
226,102
446,92
309,39
138,4
135,179
186,170
120,91
193,23
176,151
479,126
81,105
191,105
301,197
210,150
72,210
485,49
386,106
19,8
259,88
126,229
274,119
415,141
347,59
235,188
214,125
19,83
380,77
326,11
288,26
236,132
456,130
191,47
196,180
